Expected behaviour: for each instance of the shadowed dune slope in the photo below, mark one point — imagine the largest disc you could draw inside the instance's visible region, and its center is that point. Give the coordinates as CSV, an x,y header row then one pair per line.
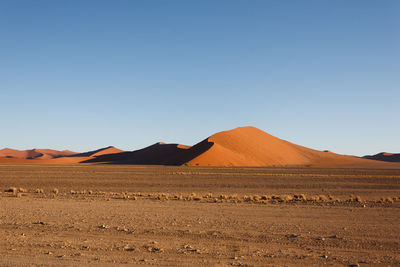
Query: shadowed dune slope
x,y
384,156
34,153
157,154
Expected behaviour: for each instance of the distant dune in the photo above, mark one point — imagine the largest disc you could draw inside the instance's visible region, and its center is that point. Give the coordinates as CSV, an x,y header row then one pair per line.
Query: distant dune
x,y
384,156
49,156
243,146
34,153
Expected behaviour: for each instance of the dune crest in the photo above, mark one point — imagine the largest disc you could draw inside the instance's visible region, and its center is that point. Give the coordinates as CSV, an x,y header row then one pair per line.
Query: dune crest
x,y
99,152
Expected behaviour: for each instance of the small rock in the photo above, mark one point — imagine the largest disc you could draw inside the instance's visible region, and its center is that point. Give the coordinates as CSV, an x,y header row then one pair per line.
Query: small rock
x,y
128,248
293,236
325,256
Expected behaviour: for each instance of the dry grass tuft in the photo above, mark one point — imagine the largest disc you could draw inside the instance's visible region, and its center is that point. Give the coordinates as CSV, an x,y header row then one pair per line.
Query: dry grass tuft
x,y
153,247
323,198
162,196
178,197
223,197
256,198
233,197
22,190
300,197
246,198
389,200
39,191
209,195
13,190
265,197
286,198
55,191
197,198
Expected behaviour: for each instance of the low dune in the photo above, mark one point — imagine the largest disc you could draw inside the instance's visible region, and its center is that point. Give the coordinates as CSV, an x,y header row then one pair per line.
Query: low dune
x,y
34,153
49,156
157,154
384,156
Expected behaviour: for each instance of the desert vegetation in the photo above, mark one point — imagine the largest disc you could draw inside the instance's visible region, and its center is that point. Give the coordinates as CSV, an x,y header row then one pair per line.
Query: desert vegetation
x,y
209,197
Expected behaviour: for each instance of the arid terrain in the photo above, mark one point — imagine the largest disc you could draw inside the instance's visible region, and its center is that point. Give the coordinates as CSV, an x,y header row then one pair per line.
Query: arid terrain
x,y
106,215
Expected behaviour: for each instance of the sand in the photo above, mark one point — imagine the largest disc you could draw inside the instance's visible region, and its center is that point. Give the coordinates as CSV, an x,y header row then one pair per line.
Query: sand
x,y
243,146
119,215
34,153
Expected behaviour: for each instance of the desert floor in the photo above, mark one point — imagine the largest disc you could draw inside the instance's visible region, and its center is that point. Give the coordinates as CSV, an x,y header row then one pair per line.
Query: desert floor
x,y
197,216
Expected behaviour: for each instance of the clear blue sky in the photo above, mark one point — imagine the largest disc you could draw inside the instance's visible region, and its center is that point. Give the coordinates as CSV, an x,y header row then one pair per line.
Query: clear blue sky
x,y
82,74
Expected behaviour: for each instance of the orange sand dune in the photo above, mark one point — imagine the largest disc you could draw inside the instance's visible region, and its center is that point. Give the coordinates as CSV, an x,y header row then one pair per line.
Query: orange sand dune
x,y
384,156
49,156
249,146
99,152
243,146
34,153
61,160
